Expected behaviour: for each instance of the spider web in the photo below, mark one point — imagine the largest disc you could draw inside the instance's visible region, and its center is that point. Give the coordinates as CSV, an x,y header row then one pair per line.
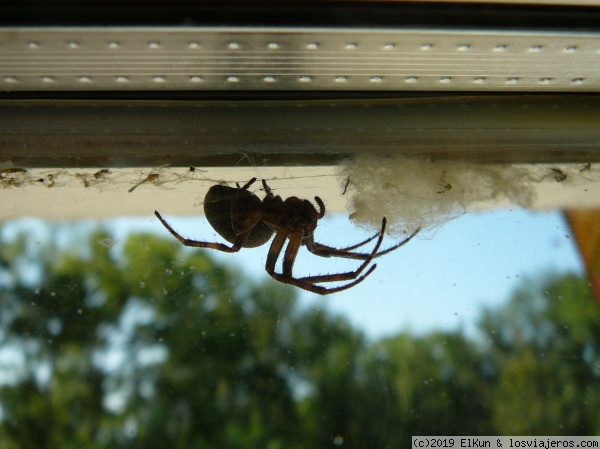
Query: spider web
x,y
417,191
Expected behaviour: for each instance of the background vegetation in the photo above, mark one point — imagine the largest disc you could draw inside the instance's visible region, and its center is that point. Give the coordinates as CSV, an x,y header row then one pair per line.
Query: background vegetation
x,y
152,345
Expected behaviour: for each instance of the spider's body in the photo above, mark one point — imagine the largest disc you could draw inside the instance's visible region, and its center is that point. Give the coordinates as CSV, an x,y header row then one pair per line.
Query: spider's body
x,y
236,214
241,218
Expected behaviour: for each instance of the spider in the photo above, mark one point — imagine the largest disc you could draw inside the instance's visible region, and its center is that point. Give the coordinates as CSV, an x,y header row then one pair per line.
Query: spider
x,y
241,218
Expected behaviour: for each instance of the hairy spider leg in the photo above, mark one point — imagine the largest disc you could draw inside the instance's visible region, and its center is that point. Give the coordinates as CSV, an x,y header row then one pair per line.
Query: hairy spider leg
x,y
398,245
321,206
348,276
266,187
327,251
248,184
308,283
196,244
321,250
348,248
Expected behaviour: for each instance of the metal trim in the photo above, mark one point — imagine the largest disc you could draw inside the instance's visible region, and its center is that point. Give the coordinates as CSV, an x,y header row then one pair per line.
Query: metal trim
x,y
281,59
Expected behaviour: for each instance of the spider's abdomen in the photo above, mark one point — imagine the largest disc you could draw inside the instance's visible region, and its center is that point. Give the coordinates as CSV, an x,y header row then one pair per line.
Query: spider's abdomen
x,y
236,213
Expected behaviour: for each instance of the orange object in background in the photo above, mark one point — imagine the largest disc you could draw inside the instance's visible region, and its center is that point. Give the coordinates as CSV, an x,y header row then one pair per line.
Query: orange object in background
x,y
586,229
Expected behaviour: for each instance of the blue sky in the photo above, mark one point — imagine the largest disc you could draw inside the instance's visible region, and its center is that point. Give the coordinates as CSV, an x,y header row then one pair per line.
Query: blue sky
x,y
439,280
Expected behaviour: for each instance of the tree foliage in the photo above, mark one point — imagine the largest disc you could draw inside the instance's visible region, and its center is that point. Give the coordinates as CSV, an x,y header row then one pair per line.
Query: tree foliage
x,y
151,345
546,349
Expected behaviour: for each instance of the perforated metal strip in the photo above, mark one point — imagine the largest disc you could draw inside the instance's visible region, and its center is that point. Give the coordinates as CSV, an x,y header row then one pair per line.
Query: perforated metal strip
x,y
301,59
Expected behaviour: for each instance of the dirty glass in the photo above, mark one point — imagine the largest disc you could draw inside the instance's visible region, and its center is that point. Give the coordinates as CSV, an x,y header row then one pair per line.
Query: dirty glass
x,y
487,322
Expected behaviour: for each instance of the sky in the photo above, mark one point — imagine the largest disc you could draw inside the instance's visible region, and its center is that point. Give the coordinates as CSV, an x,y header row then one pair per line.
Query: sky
x,y
440,280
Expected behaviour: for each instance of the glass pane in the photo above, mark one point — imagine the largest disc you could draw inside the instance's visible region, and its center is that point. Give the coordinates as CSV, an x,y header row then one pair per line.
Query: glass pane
x,y
114,334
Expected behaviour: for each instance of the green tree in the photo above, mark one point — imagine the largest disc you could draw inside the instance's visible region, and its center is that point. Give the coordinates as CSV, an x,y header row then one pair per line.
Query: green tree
x,y
438,384
140,346
51,327
544,346
225,380
150,344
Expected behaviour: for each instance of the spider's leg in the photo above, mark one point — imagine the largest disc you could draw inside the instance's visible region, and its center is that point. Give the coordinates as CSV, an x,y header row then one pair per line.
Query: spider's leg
x,y
275,249
248,184
291,252
320,290
321,206
350,274
322,247
308,283
327,251
402,243
194,243
267,188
